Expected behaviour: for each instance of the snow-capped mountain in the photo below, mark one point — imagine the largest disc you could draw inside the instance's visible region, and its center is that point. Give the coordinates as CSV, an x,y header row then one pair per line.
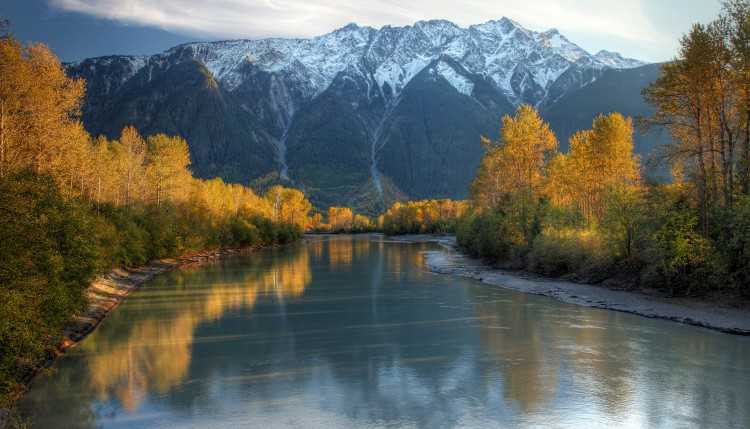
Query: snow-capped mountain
x,y
283,93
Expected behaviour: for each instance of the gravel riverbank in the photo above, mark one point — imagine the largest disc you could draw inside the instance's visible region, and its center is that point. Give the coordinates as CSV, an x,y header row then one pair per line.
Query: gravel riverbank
x,y
720,316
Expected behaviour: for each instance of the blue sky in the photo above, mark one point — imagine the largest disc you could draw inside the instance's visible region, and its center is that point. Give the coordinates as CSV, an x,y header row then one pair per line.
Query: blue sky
x,y
77,29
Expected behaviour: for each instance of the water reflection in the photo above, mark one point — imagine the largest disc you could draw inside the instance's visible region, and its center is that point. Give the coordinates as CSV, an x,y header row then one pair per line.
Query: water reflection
x,y
531,359
353,332
522,356
150,350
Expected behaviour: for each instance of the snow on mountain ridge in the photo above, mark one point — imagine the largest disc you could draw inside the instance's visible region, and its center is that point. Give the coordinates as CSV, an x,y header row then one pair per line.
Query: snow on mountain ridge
x,y
457,80
521,63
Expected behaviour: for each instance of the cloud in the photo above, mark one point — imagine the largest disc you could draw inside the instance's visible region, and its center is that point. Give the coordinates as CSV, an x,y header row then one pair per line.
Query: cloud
x,y
589,23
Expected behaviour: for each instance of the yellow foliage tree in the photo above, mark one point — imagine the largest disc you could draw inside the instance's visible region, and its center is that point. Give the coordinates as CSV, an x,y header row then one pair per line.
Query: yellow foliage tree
x,y
517,163
340,219
168,159
39,104
427,216
130,161
288,206
600,161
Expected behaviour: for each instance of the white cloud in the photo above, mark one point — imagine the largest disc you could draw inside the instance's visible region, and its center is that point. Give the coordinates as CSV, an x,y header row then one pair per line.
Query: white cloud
x,y
635,28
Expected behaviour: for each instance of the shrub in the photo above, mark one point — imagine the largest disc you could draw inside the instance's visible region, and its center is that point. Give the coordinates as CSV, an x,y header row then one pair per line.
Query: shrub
x,y
490,234
242,233
132,239
571,251
678,258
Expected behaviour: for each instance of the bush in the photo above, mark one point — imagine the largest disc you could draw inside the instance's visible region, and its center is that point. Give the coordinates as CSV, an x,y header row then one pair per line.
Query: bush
x,y
491,235
48,259
131,243
581,252
242,233
678,258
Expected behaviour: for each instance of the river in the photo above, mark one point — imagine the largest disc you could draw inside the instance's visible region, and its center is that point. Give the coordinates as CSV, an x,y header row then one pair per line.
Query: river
x,y
354,331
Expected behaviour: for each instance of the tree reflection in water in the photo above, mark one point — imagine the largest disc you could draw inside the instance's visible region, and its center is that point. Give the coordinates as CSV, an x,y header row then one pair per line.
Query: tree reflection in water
x,y
150,353
351,331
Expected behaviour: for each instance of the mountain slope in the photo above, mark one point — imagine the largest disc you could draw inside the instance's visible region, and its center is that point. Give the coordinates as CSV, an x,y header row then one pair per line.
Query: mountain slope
x,y
615,91
432,145
358,116
184,99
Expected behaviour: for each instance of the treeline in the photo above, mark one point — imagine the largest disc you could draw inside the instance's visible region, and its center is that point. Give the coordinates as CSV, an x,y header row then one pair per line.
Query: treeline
x,y
535,208
72,206
413,217
422,217
342,220
588,214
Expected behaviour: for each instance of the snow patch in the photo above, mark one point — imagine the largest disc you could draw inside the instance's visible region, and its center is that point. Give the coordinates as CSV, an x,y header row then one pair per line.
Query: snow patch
x,y
397,76
615,60
462,84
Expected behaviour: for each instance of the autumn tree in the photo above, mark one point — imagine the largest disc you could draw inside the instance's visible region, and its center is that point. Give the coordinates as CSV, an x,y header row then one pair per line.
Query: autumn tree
x,y
362,223
168,160
427,216
517,162
600,161
130,155
488,185
340,219
38,105
102,164
316,221
219,199
288,206
737,18
702,100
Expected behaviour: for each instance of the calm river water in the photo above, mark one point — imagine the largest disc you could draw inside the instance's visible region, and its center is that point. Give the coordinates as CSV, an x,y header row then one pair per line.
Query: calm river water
x,y
354,332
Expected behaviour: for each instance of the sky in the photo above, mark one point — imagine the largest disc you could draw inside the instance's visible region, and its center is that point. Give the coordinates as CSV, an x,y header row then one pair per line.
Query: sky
x,y
648,30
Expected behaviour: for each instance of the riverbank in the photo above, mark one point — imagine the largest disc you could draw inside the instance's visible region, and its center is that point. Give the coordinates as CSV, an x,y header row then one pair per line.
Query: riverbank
x,y
105,294
713,314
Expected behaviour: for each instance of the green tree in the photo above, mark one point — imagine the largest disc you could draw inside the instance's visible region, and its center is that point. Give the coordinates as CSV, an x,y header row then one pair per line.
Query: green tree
x,y
678,258
49,250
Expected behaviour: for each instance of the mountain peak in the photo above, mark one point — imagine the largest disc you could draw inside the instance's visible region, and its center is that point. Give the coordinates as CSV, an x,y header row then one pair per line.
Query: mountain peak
x,y
509,22
350,26
615,60
520,63
291,108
